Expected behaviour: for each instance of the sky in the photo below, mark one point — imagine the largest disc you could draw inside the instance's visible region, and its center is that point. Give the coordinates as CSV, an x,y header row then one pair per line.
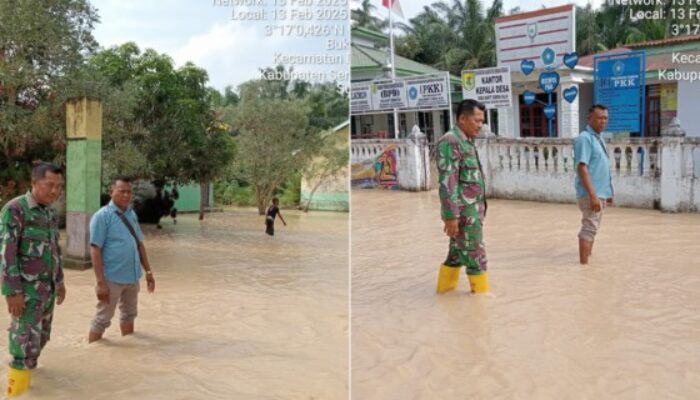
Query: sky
x,y
232,51
412,7
203,31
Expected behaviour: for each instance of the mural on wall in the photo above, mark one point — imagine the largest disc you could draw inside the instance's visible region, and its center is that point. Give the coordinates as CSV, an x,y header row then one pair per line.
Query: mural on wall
x,y
377,171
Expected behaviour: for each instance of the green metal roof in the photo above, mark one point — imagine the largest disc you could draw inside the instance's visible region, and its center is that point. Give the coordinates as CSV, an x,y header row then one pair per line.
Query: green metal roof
x,y
376,37
366,57
370,61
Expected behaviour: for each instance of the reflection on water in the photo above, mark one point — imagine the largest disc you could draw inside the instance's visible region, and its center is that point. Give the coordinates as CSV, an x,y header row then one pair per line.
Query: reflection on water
x,y
236,315
625,327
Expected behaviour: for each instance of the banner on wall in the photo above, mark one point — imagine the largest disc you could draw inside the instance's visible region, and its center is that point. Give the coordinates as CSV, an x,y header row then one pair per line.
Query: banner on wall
x,y
377,171
388,95
619,84
428,92
424,92
360,98
489,86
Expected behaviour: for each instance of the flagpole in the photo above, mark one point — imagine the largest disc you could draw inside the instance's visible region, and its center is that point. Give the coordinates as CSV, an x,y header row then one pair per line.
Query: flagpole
x,y
393,63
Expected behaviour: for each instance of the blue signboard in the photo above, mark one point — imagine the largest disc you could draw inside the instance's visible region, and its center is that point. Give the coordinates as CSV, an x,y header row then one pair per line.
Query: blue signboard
x,y
570,94
549,81
527,66
549,111
529,97
619,84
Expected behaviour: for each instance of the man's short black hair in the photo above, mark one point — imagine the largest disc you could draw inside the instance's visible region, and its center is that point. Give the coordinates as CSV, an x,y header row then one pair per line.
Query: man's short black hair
x,y
275,200
468,106
39,171
122,178
598,106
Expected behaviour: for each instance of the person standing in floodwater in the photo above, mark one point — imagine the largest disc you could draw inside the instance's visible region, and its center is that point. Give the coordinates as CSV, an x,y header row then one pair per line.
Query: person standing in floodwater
x,y
32,272
593,179
272,212
117,252
462,193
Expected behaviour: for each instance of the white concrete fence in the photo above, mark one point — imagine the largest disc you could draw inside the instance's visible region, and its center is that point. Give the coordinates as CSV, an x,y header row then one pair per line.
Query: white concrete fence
x,y
661,172
412,159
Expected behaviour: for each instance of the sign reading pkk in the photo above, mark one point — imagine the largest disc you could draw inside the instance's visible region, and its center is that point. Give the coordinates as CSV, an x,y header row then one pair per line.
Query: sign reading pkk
x,y
360,98
619,84
424,92
523,36
388,95
490,86
428,92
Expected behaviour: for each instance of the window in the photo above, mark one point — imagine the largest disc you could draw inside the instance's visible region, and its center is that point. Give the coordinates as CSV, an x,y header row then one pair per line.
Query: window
x,y
533,122
652,124
425,123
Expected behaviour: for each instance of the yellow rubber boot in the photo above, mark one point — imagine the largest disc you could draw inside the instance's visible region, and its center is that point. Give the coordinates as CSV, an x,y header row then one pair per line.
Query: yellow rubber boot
x,y
18,381
448,279
479,283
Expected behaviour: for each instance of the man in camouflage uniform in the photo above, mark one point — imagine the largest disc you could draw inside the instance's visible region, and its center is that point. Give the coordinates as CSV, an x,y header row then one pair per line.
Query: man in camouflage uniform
x,y
463,202
32,271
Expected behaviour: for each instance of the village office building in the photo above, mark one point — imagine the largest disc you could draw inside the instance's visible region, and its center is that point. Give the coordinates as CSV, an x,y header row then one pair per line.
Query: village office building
x,y
669,92
370,60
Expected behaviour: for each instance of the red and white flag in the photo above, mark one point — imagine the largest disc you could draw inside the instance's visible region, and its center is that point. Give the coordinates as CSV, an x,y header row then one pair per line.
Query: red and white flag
x,y
394,5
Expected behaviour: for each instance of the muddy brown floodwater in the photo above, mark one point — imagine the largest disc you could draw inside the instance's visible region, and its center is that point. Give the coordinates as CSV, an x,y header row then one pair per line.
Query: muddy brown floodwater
x,y
625,327
236,315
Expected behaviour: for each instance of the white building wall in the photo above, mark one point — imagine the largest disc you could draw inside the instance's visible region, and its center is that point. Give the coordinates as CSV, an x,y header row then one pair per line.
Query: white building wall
x,y
506,120
585,93
688,114
568,113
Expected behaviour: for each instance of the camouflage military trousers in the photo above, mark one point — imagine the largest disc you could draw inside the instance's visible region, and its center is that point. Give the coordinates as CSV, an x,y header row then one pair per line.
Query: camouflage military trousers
x,y
31,331
467,248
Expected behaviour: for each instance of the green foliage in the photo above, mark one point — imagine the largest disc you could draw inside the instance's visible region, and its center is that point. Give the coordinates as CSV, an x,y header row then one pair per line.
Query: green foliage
x,y
332,158
459,34
452,36
235,193
290,193
274,138
278,128
231,194
365,16
170,123
42,46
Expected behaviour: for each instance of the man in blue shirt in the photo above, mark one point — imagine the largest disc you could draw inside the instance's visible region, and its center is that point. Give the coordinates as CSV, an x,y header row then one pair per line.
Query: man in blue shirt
x,y
117,254
593,179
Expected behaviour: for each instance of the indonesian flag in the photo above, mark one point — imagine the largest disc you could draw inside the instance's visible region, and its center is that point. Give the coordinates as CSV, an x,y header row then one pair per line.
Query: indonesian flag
x,y
394,5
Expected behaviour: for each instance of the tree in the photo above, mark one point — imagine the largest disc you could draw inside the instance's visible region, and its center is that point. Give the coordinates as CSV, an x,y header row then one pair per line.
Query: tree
x,y
332,159
363,17
328,104
428,38
589,38
452,36
42,45
274,138
172,113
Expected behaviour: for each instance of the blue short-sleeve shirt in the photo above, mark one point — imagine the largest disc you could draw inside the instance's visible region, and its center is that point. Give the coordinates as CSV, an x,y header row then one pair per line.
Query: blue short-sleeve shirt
x,y
590,149
120,254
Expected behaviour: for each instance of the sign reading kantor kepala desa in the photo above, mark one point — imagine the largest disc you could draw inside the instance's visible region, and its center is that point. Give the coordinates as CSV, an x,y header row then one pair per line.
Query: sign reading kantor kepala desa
x,y
490,86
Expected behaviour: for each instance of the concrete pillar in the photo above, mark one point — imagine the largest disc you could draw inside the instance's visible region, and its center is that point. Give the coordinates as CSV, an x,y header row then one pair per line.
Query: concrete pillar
x,y
482,146
418,158
506,121
672,167
568,113
83,177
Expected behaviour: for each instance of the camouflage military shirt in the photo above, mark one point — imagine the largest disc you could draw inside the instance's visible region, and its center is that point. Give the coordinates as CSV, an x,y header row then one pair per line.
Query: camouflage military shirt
x,y
462,188
30,256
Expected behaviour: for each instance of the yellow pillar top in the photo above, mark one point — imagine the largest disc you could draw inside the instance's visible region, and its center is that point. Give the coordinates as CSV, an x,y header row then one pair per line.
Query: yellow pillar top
x,y
84,118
